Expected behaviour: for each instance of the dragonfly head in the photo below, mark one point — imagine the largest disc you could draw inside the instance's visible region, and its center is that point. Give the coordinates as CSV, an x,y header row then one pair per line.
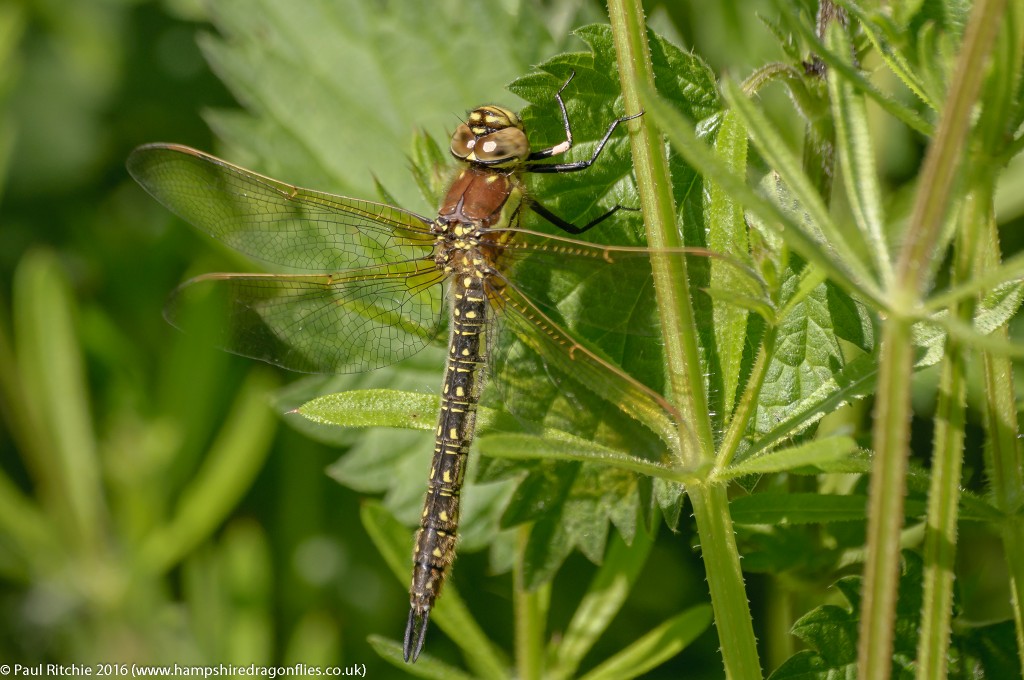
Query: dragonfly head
x,y
491,136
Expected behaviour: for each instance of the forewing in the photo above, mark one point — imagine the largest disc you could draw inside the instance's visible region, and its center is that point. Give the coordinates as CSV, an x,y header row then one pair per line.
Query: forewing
x,y
278,223
607,289
357,322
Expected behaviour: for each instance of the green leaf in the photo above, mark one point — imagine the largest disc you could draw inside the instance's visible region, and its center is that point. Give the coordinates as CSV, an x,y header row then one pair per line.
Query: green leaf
x,y
808,362
426,666
52,375
656,647
818,222
602,601
571,505
831,634
331,91
227,472
779,219
375,408
817,452
727,233
553,445
857,159
398,462
884,34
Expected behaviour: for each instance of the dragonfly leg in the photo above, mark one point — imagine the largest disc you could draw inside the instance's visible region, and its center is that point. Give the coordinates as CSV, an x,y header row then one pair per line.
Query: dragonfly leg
x,y
569,227
567,144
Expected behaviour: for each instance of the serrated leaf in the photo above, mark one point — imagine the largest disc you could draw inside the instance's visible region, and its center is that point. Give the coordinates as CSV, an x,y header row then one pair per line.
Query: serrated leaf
x,y
831,631
333,89
571,505
727,233
808,357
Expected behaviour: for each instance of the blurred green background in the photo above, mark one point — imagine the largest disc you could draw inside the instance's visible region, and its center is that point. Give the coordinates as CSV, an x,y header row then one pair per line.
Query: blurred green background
x,y
155,505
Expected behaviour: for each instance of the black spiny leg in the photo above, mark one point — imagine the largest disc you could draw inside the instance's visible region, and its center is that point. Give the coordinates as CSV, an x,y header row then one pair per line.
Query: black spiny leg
x,y
567,144
415,634
554,219
569,227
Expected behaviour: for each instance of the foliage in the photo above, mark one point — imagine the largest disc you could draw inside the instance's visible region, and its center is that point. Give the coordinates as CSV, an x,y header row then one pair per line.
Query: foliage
x,y
864,252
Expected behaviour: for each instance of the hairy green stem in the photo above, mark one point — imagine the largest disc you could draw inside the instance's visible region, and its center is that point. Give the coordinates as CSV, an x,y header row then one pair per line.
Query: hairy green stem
x,y
892,414
1003,462
696,441
891,441
671,284
947,463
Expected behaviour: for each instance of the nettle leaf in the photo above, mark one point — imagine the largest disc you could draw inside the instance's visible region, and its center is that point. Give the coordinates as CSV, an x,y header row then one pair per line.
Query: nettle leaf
x,y
333,90
831,632
807,367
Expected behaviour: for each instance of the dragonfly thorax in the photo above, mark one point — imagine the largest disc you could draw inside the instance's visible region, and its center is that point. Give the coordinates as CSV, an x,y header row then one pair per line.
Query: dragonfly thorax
x,y
493,137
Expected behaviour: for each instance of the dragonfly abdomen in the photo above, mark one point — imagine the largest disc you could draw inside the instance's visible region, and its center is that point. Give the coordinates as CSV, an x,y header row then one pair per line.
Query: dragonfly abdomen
x,y
463,384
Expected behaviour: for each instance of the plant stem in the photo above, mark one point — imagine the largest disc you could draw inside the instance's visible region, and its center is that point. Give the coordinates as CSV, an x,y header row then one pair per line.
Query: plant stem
x,y
671,284
530,613
885,505
710,504
892,413
725,581
942,161
947,463
1003,462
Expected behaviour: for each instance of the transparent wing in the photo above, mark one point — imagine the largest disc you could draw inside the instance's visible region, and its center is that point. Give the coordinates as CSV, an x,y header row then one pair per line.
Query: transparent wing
x,y
358,321
536,362
275,222
608,288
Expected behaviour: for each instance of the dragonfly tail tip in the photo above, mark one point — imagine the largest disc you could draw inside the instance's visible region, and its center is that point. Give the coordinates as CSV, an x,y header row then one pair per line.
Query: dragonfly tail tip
x,y
415,633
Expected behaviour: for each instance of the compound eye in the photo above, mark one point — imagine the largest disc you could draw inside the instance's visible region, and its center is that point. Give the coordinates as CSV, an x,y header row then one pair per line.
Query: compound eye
x,y
502,145
463,141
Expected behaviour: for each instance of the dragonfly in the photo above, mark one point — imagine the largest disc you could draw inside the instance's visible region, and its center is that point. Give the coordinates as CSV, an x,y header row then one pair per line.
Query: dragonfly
x,y
368,284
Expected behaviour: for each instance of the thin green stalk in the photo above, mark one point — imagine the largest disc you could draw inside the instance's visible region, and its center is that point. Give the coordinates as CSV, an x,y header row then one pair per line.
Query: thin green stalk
x,y
671,284
531,613
885,504
725,581
745,408
710,505
1003,460
1003,463
892,414
779,644
944,492
942,161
